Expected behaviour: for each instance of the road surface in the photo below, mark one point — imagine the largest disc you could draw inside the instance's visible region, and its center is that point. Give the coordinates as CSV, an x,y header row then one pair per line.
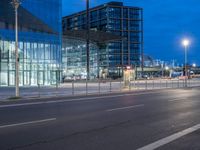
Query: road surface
x,y
160,119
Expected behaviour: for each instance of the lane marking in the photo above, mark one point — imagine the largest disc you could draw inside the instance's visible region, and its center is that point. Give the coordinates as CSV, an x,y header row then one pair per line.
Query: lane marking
x,y
78,99
178,99
170,138
129,107
27,123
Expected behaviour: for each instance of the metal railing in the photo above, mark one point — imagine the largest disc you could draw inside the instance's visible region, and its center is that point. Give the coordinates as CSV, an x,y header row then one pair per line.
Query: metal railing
x,y
74,88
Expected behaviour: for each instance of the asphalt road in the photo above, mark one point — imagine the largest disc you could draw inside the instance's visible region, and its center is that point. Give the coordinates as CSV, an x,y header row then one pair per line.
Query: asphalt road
x,y
163,119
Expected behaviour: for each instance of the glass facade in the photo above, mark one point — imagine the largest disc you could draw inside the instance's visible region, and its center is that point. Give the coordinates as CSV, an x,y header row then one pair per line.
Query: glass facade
x,y
75,61
39,43
117,19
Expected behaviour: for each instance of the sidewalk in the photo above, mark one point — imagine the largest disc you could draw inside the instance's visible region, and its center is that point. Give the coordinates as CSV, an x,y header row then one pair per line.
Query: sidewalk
x,y
83,88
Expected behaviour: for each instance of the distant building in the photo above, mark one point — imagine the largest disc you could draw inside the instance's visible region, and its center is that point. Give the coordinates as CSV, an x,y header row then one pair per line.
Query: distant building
x,y
108,56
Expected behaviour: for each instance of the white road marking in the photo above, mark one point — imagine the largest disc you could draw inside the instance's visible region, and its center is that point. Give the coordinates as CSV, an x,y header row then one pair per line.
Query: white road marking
x,y
129,107
170,138
27,123
177,99
78,99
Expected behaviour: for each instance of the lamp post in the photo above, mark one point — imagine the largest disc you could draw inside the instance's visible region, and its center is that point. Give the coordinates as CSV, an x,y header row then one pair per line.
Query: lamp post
x,y
16,4
186,43
88,38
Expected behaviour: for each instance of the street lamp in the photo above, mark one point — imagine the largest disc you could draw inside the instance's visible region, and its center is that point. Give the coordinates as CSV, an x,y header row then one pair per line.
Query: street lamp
x,y
186,43
166,68
15,4
88,38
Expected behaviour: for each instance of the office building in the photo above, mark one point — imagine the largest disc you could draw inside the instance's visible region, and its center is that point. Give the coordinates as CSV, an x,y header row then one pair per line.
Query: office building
x,y
111,55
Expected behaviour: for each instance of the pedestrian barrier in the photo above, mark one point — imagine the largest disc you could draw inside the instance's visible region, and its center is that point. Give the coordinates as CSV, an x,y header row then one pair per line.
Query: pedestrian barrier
x,y
74,87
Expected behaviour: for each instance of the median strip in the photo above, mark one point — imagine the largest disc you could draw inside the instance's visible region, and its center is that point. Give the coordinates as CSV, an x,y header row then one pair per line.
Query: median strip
x,y
27,123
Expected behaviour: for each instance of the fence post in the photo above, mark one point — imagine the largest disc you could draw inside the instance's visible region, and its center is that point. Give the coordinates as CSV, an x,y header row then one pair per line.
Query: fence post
x,y
160,84
146,84
172,83
120,85
86,87
153,84
38,90
73,88
110,85
99,86
56,88
189,82
178,83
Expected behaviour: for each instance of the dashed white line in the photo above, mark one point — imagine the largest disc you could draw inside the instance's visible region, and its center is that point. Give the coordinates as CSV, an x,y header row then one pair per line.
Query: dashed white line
x,y
27,123
170,138
178,99
129,107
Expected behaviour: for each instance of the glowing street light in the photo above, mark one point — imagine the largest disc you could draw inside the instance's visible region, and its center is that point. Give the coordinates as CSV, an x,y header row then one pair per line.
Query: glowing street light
x,y
186,43
194,65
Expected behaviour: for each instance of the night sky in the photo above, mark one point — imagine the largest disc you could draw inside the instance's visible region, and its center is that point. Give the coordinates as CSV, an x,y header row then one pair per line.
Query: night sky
x,y
166,23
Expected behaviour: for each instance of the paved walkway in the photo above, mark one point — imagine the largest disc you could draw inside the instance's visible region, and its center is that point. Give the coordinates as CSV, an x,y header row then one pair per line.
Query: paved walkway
x,y
69,89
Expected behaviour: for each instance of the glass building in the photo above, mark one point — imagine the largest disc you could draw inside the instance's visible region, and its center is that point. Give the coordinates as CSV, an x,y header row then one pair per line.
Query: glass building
x,y
74,59
40,33
117,19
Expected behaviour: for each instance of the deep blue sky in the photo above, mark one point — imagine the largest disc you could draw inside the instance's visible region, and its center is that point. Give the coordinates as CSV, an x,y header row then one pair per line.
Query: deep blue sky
x,y
166,23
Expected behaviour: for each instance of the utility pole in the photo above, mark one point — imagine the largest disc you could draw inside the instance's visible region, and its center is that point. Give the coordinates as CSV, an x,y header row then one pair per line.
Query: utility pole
x,y
16,4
